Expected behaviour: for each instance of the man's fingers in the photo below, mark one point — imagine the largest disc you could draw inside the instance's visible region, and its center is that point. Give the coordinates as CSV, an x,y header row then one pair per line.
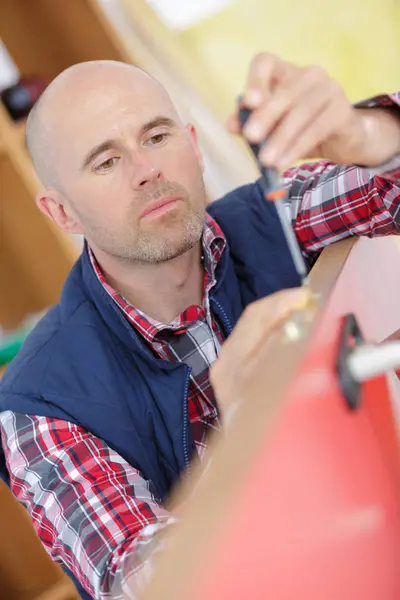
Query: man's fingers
x,y
233,124
287,96
259,316
317,131
267,316
265,70
284,136
259,80
259,321
291,114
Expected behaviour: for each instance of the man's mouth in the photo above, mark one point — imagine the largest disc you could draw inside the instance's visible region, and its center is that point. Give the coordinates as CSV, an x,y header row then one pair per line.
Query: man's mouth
x,y
159,206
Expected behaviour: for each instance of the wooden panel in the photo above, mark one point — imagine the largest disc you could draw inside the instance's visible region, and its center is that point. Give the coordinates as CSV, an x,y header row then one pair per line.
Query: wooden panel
x,y
46,36
34,257
17,295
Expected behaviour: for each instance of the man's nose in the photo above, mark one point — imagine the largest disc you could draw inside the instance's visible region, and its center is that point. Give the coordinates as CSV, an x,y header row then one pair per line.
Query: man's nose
x,y
145,173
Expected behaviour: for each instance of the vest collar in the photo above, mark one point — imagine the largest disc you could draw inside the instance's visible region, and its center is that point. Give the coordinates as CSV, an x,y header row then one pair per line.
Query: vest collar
x,y
109,311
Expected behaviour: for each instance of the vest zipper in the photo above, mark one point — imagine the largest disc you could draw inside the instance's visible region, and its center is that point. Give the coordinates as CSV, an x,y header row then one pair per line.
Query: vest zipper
x,y
185,422
228,327
223,315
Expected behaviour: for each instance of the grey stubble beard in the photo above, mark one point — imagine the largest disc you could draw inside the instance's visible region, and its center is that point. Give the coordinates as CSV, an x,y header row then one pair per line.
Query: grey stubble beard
x,y
145,247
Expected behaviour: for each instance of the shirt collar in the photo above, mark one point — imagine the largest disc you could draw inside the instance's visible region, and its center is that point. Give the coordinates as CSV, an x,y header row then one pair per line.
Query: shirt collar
x,y
213,245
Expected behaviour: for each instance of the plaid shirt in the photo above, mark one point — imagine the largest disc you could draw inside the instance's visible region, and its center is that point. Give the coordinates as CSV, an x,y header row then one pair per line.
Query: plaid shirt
x,y
92,510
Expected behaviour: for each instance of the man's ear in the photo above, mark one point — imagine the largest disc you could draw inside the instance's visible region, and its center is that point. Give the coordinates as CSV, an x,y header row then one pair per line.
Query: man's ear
x,y
191,129
53,204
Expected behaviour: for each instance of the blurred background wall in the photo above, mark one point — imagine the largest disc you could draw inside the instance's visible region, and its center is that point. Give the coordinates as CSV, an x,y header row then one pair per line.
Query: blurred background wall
x,y
358,41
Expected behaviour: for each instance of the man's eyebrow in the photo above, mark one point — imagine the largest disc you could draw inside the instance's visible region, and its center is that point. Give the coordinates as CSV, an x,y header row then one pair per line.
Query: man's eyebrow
x,y
157,122
94,152
110,144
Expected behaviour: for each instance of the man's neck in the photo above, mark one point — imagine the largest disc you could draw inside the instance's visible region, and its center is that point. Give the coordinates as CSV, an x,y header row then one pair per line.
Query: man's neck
x,y
161,290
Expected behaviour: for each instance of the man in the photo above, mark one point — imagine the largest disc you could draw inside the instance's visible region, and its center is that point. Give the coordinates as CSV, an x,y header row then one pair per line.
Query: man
x,y
110,397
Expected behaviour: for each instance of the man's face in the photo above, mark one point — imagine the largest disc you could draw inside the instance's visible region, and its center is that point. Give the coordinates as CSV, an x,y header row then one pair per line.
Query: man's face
x,y
130,171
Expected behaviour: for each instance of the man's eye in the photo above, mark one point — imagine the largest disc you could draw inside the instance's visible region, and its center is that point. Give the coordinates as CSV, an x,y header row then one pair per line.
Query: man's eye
x,y
107,165
159,138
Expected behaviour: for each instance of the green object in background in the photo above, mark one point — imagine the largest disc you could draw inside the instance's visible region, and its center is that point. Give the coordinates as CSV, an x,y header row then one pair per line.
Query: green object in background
x,y
10,345
11,342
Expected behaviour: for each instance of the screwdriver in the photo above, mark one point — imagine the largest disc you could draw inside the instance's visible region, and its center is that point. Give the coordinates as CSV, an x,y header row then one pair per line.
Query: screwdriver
x,y
274,191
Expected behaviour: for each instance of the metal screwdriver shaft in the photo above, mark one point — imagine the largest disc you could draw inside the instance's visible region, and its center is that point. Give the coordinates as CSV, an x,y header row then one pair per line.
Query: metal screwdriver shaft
x,y
275,192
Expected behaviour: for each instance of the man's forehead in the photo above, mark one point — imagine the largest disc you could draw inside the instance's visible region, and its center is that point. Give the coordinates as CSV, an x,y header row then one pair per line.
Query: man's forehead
x,y
83,99
105,98
89,116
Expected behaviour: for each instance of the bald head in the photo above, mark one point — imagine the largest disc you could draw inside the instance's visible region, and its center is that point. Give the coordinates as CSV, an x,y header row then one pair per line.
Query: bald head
x,y
72,97
108,144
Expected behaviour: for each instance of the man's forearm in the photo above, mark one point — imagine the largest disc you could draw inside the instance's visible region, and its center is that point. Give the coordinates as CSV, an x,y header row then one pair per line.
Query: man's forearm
x,y
383,129
375,137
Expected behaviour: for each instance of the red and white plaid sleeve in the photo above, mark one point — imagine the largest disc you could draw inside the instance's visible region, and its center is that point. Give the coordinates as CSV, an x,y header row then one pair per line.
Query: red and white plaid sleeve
x,y
329,202
93,512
